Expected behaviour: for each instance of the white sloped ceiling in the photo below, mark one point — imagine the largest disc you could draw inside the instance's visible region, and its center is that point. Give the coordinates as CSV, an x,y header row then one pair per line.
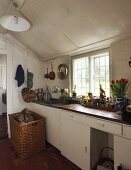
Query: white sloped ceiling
x,y
64,26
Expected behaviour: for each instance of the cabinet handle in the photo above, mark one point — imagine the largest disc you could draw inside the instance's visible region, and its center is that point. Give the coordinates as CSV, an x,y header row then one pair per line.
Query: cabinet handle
x,y
101,125
85,149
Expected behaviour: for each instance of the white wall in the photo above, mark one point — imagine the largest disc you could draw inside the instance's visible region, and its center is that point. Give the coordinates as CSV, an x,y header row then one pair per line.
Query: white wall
x,y
2,60
121,53
28,61
62,84
19,54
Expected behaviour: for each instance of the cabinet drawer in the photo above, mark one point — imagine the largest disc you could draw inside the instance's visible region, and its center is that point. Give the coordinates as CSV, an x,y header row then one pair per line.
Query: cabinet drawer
x,y
106,126
96,123
71,115
127,131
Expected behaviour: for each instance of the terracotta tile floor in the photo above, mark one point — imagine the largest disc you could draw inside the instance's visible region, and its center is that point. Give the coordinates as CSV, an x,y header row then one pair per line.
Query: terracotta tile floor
x,y
3,127
46,160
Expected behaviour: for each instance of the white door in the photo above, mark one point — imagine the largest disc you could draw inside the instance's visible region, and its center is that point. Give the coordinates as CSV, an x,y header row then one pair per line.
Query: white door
x,y
1,110
75,141
2,88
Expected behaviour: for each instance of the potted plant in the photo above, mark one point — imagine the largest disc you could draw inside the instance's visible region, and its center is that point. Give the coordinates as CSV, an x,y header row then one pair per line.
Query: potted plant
x,y
119,89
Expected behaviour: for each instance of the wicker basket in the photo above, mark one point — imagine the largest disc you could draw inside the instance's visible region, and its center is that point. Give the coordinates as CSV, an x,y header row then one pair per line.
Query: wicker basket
x,y
27,138
29,96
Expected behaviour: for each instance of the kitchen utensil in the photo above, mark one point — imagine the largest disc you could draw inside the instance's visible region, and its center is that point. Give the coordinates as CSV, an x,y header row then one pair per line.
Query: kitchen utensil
x,y
39,94
46,75
51,75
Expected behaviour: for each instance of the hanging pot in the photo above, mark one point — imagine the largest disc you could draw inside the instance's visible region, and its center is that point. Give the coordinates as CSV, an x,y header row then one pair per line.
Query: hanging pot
x,y
51,75
46,75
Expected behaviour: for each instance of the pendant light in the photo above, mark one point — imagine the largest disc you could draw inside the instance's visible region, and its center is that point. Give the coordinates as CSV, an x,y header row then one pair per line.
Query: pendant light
x,y
15,21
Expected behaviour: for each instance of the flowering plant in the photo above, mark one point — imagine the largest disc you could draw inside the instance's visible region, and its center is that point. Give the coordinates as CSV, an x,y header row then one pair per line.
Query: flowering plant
x,y
119,87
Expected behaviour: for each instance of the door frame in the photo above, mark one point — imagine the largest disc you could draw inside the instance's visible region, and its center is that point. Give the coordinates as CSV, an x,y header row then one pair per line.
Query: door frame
x,y
6,48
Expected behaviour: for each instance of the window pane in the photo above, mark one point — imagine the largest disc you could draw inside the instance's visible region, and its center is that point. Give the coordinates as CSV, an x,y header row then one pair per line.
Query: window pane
x,y
85,73
97,71
79,64
78,82
97,92
97,83
83,63
100,70
102,82
97,62
107,71
81,75
101,74
102,61
83,91
83,82
107,60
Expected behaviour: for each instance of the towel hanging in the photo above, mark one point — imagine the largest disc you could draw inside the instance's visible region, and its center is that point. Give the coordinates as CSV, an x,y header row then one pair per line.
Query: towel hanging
x,y
19,76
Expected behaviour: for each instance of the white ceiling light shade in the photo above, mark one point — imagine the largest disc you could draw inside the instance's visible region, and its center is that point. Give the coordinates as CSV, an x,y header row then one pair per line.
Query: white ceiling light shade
x,y
15,22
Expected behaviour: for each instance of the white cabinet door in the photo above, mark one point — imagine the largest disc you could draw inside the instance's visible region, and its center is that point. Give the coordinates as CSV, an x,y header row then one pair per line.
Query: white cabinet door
x,y
53,126
75,140
52,120
122,152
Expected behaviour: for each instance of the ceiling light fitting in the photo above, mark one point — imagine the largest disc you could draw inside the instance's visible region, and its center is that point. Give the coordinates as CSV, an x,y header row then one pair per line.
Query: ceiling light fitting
x,y
15,21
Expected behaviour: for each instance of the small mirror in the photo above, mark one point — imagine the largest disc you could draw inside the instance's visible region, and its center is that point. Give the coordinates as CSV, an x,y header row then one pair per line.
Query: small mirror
x,y
62,71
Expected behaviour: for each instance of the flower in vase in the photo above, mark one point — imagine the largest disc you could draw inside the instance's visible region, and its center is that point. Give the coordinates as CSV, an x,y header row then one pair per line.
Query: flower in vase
x,y
119,87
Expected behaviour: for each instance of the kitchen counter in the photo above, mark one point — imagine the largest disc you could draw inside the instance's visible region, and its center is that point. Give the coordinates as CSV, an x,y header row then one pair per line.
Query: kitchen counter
x,y
107,115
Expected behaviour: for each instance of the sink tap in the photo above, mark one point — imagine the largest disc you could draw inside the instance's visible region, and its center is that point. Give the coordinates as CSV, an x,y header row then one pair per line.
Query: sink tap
x,y
56,89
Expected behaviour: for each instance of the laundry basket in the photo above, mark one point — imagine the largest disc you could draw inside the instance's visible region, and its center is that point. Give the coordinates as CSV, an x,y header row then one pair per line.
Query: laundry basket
x,y
27,138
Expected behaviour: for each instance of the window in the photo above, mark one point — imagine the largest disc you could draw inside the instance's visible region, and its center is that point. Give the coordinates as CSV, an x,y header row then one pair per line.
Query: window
x,y
89,72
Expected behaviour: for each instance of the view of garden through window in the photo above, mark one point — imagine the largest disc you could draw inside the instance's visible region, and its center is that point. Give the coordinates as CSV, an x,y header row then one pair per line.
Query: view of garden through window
x,y
91,71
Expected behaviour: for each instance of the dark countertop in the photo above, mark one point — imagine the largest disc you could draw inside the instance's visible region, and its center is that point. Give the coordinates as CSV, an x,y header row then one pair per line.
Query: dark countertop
x,y
107,115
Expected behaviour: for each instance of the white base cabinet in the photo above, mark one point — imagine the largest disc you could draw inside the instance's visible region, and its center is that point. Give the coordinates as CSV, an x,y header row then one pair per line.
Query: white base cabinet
x,y
75,140
71,132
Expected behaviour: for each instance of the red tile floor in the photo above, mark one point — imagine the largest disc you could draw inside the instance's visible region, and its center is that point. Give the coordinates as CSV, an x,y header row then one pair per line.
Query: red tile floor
x,y
50,159
3,126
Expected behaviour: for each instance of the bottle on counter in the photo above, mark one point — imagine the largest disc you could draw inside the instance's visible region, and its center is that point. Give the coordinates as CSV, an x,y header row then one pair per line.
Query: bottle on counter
x,y
47,95
74,91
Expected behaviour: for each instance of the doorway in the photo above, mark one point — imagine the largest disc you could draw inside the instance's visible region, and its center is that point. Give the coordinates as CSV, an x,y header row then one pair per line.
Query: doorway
x,y
3,94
